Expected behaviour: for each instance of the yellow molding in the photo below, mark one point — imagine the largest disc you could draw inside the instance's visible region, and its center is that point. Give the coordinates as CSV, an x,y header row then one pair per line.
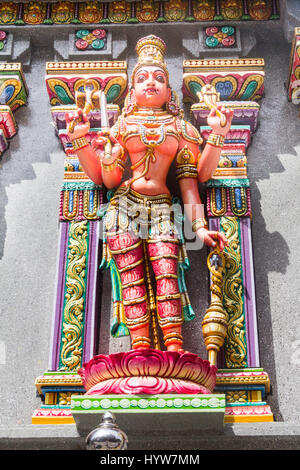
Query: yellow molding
x,y
248,419
52,420
245,380
58,381
86,66
223,64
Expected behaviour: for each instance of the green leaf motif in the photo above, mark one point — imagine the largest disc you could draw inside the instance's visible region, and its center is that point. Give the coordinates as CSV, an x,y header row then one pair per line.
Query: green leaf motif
x,y
113,93
195,87
63,95
250,89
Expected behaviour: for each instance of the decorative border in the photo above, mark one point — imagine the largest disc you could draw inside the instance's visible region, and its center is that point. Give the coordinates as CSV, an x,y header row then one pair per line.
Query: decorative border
x,y
234,64
52,416
58,380
86,66
148,403
249,413
120,12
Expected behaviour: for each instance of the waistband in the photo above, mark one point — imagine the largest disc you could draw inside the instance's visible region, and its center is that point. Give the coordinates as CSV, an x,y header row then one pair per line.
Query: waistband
x,y
144,199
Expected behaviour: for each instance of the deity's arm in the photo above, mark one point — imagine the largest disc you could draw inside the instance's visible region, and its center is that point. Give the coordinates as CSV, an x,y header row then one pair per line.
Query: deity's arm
x,y
209,160
87,156
193,207
90,163
110,171
187,161
112,164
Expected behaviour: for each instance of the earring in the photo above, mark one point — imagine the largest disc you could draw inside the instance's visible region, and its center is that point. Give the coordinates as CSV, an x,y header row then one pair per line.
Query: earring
x,y
171,106
130,104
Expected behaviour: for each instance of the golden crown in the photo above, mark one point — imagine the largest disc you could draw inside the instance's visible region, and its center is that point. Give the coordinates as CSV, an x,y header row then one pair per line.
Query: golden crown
x,y
151,50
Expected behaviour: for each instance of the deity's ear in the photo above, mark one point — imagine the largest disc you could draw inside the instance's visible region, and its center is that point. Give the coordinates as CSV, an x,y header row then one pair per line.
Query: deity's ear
x,y
132,94
169,93
130,103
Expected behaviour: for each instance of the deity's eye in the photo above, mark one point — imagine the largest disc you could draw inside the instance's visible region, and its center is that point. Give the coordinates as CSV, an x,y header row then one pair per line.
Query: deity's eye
x,y
160,77
141,78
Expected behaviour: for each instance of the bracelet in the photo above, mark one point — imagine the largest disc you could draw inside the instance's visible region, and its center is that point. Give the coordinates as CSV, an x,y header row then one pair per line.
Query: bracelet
x,y
215,140
79,143
117,162
199,223
111,166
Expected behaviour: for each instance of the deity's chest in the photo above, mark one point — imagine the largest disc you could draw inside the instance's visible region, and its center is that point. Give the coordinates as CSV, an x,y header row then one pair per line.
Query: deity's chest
x,y
158,134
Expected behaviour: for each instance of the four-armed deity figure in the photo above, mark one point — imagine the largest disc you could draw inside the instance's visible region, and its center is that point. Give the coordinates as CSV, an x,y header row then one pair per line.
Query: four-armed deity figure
x,y
151,132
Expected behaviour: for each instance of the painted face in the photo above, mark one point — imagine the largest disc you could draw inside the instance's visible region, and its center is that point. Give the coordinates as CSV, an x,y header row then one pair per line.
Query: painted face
x,y
151,87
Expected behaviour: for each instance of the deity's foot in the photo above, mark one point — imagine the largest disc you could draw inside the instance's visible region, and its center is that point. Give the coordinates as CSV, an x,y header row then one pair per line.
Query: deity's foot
x,y
148,371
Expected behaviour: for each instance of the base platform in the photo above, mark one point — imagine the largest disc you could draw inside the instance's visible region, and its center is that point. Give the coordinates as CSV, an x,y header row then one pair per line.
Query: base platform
x,y
245,393
140,412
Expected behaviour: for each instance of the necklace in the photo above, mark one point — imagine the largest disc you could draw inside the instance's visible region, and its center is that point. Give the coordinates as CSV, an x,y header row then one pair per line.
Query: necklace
x,y
150,115
150,119
152,137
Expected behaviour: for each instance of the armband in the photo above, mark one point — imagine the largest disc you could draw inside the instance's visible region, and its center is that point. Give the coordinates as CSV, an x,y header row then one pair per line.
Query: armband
x,y
215,140
186,164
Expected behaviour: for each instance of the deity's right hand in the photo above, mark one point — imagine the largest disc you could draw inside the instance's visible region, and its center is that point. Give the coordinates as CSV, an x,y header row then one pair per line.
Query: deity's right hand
x,y
212,238
77,124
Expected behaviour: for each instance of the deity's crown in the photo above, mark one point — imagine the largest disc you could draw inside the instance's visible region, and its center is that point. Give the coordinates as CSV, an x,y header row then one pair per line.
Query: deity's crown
x,y
151,50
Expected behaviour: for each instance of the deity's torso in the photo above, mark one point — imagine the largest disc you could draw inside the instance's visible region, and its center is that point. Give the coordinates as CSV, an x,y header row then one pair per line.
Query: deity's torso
x,y
151,140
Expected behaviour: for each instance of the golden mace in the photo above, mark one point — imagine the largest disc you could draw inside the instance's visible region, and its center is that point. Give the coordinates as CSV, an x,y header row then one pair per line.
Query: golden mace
x,y
214,324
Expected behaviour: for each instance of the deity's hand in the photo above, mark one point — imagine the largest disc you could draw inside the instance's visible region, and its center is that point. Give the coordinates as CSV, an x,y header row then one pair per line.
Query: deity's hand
x,y
211,238
99,144
77,124
102,138
214,120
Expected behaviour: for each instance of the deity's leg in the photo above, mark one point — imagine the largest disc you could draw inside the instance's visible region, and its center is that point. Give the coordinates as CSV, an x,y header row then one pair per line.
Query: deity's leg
x,y
163,255
127,251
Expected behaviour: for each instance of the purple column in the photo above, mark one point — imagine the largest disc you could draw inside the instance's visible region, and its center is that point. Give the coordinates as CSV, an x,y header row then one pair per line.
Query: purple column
x,y
90,312
91,290
59,296
249,293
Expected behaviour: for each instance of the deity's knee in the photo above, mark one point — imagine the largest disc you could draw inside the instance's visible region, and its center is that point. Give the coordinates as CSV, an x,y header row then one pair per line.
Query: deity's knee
x,y
127,251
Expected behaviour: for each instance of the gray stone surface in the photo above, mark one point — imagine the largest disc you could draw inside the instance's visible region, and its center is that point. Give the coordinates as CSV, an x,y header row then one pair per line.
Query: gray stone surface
x,y
30,176
195,45
289,17
262,436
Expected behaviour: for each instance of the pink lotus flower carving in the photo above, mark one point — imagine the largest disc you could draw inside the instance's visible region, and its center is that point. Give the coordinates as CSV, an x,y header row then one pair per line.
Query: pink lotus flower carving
x,y
148,371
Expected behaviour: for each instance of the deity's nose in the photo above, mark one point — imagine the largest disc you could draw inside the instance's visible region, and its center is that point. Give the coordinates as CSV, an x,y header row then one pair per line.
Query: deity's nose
x,y
150,79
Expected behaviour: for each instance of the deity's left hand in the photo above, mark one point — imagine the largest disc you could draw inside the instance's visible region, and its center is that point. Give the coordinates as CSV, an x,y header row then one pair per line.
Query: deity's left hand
x,y
214,120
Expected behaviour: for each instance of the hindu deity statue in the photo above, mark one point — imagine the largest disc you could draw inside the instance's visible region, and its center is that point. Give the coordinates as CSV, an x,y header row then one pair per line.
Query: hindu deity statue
x,y
141,233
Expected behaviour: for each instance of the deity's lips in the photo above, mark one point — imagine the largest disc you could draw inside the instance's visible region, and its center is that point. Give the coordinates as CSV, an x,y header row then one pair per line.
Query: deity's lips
x,y
151,90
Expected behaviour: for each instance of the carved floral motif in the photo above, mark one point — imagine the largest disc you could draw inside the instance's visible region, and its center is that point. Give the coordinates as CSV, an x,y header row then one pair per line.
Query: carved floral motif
x,y
148,371
90,12
204,10
34,12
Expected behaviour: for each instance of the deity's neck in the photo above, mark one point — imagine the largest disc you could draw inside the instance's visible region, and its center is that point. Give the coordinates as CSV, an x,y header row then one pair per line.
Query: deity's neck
x,y
143,111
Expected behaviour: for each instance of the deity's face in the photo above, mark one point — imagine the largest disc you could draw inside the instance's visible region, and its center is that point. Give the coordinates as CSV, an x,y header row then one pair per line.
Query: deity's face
x,y
150,88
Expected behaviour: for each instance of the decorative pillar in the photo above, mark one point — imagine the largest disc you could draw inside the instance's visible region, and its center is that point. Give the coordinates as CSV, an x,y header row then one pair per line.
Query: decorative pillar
x,y
240,83
293,83
13,94
75,315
